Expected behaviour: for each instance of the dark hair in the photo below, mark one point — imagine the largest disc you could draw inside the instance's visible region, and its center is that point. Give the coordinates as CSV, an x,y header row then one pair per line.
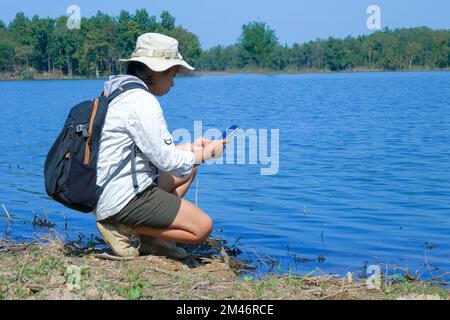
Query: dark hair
x,y
140,70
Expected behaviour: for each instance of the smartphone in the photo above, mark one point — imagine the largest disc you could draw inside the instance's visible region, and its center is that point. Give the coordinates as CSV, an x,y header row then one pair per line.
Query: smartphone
x,y
230,132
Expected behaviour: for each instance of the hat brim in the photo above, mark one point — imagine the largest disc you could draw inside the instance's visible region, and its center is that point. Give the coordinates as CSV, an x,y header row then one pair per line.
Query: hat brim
x,y
158,65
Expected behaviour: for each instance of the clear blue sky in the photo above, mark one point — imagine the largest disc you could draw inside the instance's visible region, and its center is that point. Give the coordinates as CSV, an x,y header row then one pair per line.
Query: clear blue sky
x,y
220,21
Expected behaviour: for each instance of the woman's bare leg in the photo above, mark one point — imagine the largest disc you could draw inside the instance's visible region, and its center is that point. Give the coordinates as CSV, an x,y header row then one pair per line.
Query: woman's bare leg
x,y
191,225
176,186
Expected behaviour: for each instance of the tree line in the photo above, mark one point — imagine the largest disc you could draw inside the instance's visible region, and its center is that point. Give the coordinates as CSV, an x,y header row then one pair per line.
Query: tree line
x,y
46,45
400,49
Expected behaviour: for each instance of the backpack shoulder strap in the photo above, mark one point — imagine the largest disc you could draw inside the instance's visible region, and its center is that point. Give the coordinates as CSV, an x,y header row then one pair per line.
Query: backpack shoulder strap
x,y
124,88
132,156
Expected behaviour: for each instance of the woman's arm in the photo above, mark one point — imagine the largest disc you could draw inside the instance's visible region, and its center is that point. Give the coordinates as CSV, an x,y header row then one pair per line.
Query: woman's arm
x,y
148,129
196,148
205,150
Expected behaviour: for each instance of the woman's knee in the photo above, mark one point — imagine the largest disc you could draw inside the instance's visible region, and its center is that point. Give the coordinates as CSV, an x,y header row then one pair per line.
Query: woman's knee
x,y
205,229
202,228
193,220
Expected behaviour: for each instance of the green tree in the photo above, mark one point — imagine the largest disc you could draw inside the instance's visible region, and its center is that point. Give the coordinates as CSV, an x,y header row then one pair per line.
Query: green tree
x,y
189,45
258,43
46,44
99,55
22,56
213,59
41,33
145,22
128,30
300,55
142,19
338,57
281,57
7,52
167,21
65,43
20,28
231,57
441,49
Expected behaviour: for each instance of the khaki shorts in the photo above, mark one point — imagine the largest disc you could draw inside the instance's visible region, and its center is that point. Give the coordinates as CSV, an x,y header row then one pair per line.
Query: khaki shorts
x,y
154,208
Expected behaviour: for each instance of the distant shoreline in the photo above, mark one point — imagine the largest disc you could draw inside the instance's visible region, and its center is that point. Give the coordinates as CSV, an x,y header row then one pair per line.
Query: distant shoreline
x,y
9,77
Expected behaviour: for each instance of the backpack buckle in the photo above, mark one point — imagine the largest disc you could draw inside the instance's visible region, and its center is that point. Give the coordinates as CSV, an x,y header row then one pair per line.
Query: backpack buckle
x,y
83,128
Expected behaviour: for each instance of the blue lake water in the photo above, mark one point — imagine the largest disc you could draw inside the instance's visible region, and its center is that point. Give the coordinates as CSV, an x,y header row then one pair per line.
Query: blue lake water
x,y
364,175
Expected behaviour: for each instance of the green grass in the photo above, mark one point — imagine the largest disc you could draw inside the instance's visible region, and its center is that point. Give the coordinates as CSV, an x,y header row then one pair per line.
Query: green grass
x,y
262,286
186,289
412,288
3,287
134,289
40,265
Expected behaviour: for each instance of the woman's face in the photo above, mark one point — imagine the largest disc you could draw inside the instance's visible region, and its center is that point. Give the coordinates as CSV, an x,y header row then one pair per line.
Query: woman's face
x,y
163,82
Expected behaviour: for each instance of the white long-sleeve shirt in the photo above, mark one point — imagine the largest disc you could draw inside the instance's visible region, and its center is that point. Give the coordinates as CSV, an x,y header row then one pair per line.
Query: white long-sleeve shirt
x,y
135,117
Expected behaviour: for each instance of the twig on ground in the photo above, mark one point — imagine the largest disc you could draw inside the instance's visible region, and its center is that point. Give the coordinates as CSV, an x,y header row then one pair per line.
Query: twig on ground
x,y
201,284
339,292
226,257
10,246
161,270
437,277
105,256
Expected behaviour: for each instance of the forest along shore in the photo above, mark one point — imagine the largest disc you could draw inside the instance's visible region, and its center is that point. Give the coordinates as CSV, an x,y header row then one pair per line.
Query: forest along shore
x,y
59,76
38,45
51,269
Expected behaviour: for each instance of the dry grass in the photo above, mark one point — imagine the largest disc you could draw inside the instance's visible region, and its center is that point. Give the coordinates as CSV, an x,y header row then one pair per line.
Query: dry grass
x,y
44,270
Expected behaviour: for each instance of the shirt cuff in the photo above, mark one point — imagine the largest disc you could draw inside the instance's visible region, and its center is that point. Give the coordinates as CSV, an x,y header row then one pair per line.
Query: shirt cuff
x,y
189,158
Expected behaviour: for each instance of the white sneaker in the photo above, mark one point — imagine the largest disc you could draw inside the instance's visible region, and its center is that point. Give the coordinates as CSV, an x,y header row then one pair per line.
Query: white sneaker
x,y
155,246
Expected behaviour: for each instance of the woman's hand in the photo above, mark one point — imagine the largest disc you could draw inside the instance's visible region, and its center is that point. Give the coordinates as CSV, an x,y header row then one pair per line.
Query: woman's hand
x,y
213,149
196,148
199,142
198,154
205,150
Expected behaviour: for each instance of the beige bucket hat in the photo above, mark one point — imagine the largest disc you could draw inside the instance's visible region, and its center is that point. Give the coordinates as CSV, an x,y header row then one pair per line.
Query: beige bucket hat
x,y
158,52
